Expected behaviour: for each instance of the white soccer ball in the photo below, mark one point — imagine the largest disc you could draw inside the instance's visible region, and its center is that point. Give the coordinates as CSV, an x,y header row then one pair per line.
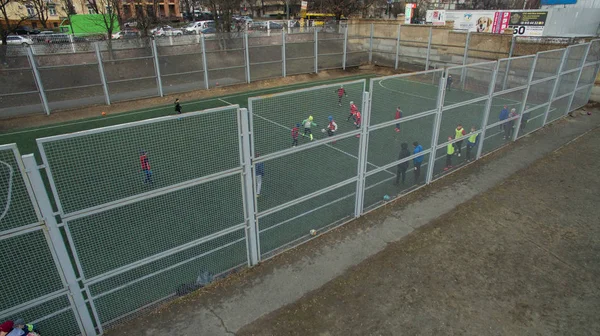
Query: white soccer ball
x,y
323,130
313,232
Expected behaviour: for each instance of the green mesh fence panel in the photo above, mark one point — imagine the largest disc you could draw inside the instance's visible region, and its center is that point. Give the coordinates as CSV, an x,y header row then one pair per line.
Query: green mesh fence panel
x,y
16,208
412,94
174,275
292,225
119,236
274,116
100,166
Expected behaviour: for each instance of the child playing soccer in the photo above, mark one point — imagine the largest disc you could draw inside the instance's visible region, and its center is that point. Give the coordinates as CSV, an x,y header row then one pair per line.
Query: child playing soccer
x,y
397,117
353,110
358,119
341,92
295,133
308,123
177,106
331,127
449,153
145,167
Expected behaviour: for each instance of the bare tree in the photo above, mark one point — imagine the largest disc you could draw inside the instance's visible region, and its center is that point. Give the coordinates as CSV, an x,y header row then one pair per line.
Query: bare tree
x,y
69,7
343,7
40,8
6,27
109,14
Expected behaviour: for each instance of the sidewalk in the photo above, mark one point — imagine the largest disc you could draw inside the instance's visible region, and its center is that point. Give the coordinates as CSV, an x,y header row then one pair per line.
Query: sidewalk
x,y
516,259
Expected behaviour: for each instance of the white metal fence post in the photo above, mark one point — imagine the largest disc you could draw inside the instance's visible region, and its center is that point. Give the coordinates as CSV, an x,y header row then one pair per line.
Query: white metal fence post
x,y
102,74
428,48
510,54
397,48
436,127
157,68
345,57
556,84
283,66
247,54
371,43
524,104
316,51
38,80
488,107
587,50
82,314
463,73
362,154
249,193
204,65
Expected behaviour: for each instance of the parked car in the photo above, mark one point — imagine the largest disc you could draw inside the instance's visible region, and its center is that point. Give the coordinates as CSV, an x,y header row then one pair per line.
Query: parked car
x,y
17,39
154,30
198,26
26,31
55,38
125,34
209,32
168,32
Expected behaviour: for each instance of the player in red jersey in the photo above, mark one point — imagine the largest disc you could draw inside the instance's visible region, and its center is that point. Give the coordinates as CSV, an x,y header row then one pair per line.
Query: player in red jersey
x,y
341,92
295,134
397,117
353,110
145,167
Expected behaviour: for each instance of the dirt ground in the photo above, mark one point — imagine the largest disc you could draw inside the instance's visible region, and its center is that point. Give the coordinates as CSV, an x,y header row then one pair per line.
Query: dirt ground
x,y
93,111
521,258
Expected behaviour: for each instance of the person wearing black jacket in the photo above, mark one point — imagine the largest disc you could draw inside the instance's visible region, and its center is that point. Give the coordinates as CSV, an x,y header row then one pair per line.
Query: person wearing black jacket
x,y
402,167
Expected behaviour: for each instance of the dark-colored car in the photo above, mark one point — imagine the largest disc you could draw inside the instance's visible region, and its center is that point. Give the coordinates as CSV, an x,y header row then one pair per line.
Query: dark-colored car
x,y
26,31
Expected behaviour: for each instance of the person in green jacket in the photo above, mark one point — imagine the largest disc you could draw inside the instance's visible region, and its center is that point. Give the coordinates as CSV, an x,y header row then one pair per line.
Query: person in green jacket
x,y
449,153
308,123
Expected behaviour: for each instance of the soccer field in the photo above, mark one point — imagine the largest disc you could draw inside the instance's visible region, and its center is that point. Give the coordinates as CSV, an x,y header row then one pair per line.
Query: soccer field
x,y
114,220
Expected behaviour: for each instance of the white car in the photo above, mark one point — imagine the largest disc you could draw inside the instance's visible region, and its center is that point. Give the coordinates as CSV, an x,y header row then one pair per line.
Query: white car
x,y
168,32
154,30
198,26
17,39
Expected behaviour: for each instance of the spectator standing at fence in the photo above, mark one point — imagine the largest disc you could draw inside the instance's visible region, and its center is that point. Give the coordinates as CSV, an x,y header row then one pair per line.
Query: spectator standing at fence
x,y
353,110
417,161
295,134
397,117
308,124
449,153
260,172
460,132
503,116
341,92
21,329
6,327
402,167
471,142
145,164
449,82
177,106
508,130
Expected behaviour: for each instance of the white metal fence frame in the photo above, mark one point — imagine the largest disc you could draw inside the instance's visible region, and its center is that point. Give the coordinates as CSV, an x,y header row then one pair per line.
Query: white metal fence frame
x,y
64,253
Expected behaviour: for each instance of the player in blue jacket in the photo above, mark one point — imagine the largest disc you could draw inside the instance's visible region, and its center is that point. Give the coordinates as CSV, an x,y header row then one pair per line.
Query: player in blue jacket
x,y
417,161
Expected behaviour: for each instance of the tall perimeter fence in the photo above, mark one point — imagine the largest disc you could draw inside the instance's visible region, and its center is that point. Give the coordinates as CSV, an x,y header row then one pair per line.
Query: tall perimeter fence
x,y
43,78
174,203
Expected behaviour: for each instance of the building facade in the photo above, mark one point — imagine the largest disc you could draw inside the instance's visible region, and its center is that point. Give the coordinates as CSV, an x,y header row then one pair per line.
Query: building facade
x,y
25,14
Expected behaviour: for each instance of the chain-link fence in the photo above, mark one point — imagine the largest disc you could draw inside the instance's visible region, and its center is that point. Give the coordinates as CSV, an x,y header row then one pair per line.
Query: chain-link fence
x,y
158,208
74,74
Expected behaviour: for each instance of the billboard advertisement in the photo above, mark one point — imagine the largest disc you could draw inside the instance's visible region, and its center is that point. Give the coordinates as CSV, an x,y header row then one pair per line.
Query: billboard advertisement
x,y
409,12
521,23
